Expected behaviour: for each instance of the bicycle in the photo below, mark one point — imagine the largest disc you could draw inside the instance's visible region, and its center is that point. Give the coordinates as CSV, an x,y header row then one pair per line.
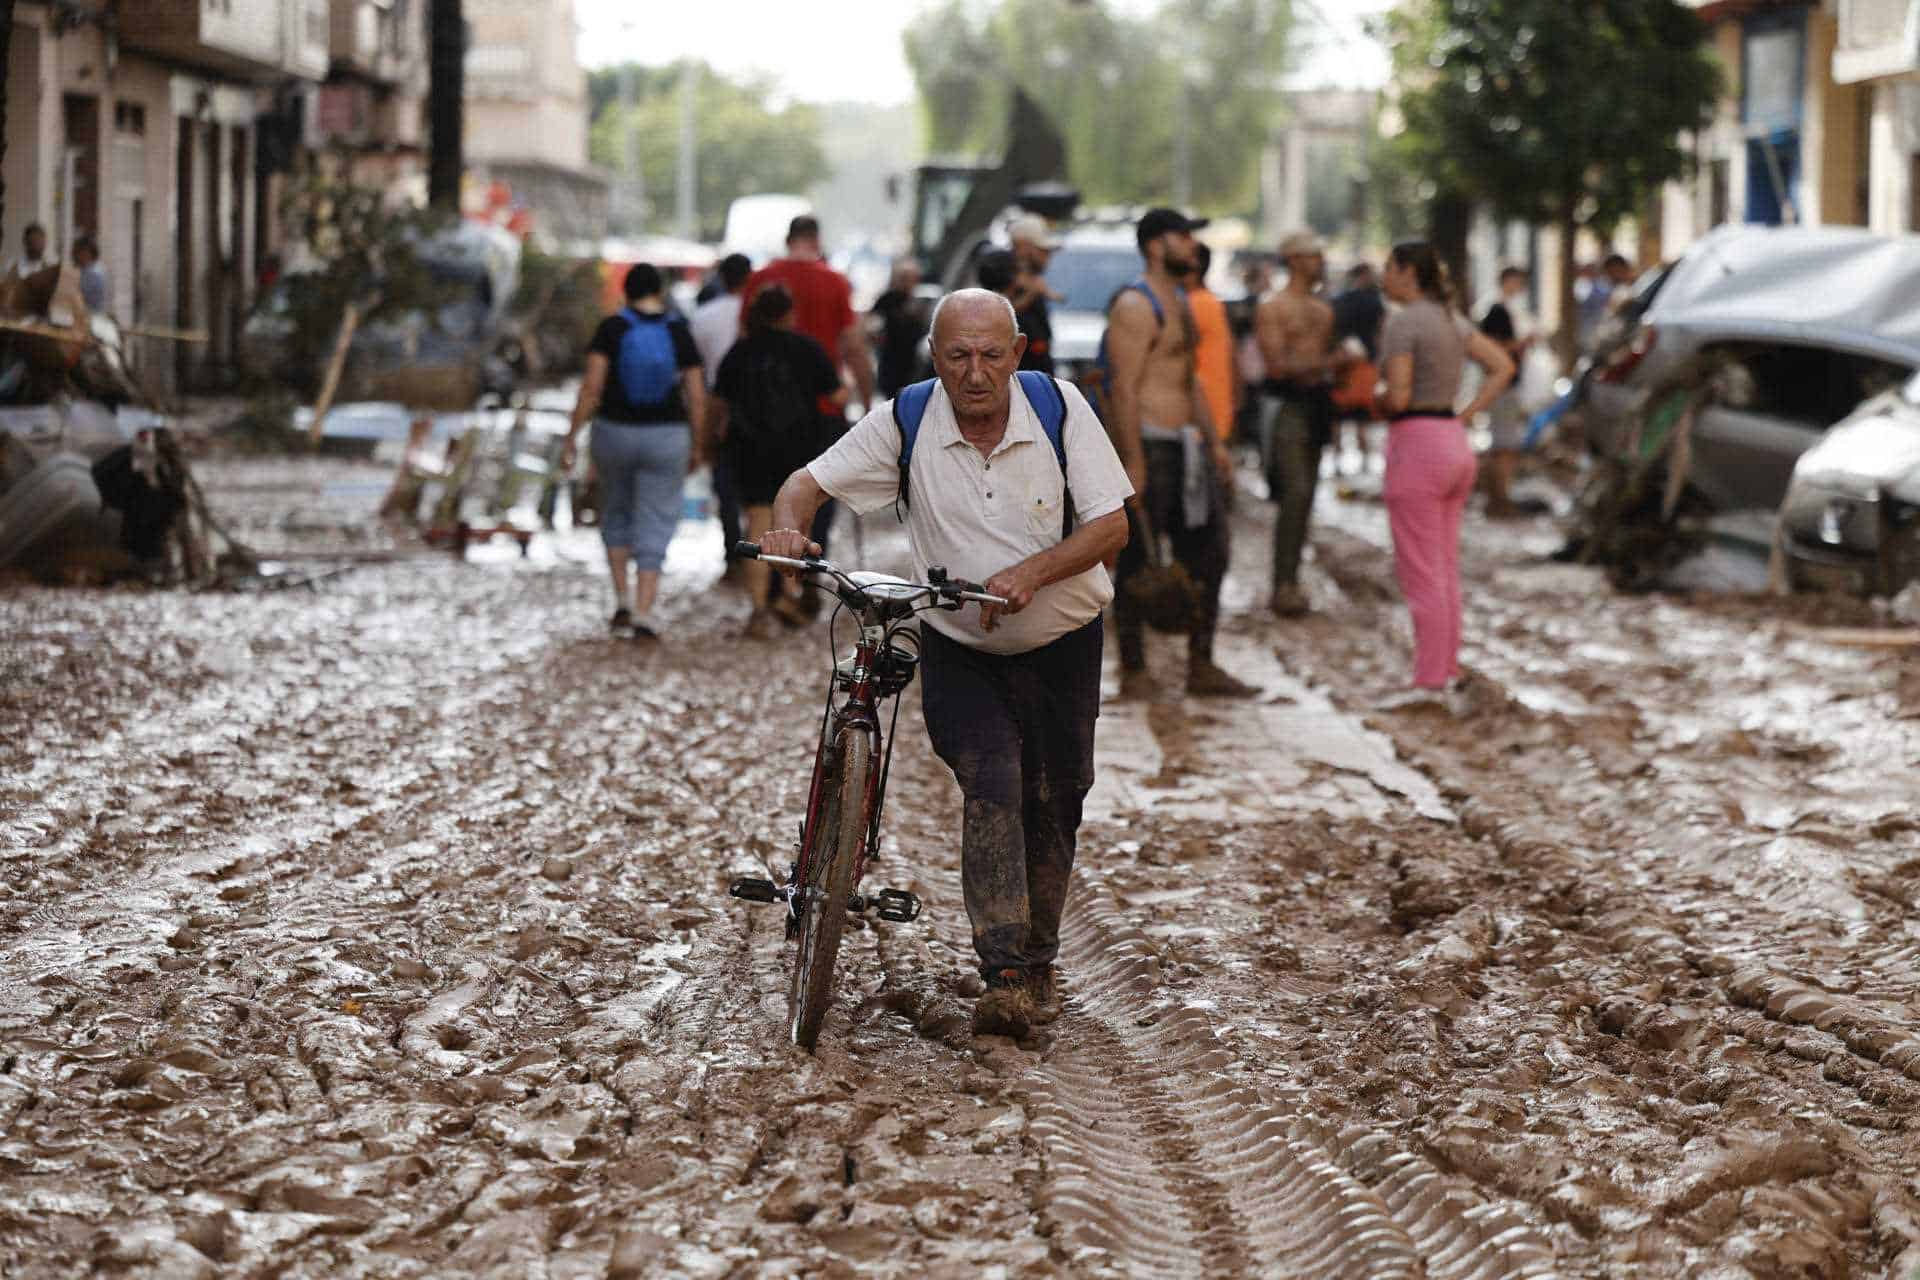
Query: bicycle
x,y
841,831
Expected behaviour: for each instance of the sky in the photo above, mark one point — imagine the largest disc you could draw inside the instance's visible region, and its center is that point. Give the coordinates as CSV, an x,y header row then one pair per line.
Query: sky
x,y
850,49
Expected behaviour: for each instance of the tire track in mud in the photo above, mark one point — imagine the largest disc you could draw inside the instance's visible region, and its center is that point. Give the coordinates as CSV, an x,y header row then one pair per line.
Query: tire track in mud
x,y
1158,1157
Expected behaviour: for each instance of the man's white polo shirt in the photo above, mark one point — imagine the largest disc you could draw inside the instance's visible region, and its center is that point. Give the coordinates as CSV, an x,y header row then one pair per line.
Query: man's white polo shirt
x,y
979,515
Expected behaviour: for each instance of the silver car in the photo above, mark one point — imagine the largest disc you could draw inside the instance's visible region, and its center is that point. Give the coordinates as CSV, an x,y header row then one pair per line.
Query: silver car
x,y
1851,519
1791,327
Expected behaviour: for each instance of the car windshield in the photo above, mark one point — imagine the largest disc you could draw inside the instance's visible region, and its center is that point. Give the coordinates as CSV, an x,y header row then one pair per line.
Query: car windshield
x,y
1089,277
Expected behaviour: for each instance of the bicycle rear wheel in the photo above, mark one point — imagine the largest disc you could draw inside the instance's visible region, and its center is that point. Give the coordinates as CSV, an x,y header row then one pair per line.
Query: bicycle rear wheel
x,y
829,880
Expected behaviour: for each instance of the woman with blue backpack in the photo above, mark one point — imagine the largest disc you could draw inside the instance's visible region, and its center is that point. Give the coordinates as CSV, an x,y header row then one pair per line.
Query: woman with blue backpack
x,y
643,391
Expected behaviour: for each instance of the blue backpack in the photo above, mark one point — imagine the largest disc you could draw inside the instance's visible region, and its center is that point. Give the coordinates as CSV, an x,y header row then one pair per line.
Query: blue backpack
x,y
1096,387
1049,405
648,367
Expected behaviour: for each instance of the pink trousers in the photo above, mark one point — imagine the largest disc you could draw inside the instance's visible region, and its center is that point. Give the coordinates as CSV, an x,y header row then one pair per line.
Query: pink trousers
x,y
1430,470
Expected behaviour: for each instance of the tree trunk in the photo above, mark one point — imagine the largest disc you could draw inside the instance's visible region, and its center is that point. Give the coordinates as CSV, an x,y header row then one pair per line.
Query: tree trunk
x,y
6,42
1566,340
446,99
1449,218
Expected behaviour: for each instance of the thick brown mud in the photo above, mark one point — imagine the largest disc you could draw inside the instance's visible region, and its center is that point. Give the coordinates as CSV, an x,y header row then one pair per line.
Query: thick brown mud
x,y
379,929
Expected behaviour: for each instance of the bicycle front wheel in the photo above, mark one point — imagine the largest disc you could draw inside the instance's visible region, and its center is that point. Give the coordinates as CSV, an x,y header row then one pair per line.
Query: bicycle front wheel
x,y
829,881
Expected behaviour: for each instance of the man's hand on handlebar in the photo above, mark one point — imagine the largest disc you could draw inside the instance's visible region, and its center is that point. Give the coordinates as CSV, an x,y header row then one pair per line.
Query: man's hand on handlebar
x,y
1017,585
790,543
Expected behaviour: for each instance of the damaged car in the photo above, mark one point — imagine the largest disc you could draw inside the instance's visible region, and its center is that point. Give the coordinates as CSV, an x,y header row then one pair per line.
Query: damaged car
x,y
1851,518
1756,343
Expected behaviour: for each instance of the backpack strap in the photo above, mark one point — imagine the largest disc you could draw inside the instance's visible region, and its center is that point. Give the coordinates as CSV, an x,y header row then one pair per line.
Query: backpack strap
x,y
1050,406
908,408
1153,300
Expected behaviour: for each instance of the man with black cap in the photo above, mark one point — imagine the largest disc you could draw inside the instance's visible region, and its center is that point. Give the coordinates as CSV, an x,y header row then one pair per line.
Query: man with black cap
x,y
1163,430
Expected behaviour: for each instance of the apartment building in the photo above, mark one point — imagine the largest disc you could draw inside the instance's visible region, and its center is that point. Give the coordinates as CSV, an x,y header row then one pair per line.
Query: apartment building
x,y
526,116
1819,124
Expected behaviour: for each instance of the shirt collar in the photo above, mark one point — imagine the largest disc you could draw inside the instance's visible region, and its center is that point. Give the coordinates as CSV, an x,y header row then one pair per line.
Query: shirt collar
x,y
1020,421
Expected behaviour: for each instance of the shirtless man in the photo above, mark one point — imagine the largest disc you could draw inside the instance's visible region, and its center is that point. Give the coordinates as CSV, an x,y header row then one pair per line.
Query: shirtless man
x,y
1294,327
1182,477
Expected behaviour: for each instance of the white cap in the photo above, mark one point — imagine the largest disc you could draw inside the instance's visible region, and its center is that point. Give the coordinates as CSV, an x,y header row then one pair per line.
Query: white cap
x,y
1033,228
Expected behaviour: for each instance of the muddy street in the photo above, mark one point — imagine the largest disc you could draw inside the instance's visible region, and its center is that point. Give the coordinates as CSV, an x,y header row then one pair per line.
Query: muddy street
x,y
380,930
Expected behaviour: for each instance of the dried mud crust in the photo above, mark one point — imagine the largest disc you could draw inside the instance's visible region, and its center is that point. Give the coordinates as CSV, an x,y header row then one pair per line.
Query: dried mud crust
x,y
1703,989
380,932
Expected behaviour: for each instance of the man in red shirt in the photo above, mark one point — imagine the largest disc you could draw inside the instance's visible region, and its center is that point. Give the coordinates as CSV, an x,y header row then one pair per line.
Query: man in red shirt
x,y
822,303
822,310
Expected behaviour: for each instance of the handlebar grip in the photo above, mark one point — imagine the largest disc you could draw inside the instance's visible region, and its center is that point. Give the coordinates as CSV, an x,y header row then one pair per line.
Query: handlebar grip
x,y
746,550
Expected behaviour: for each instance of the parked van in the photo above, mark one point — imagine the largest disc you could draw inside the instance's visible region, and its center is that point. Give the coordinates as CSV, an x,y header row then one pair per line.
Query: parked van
x,y
757,225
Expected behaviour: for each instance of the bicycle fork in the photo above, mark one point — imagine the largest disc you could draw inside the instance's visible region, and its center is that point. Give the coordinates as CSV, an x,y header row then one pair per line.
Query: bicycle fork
x,y
897,905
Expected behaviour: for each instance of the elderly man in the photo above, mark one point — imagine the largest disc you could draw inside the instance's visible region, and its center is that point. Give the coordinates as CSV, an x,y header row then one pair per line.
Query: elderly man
x,y
1009,697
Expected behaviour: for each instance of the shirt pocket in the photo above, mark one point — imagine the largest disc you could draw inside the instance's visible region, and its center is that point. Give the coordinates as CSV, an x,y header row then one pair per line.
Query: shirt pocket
x,y
1046,500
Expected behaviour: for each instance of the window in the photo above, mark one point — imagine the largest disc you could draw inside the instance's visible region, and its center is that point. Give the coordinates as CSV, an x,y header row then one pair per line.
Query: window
x,y
130,118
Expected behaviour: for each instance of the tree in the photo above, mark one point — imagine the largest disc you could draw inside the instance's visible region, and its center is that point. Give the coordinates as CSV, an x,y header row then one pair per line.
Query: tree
x,y
1193,86
1565,115
745,144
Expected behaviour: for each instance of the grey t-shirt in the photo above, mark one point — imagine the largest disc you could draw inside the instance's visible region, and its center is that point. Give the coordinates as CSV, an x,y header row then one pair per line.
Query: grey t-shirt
x,y
1436,338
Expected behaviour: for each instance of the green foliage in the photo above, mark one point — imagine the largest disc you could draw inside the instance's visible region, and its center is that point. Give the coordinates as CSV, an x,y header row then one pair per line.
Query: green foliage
x,y
1548,111
745,144
368,246
1116,85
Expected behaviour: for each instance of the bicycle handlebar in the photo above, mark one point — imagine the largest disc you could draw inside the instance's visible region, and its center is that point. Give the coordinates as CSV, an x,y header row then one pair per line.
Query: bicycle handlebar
x,y
954,589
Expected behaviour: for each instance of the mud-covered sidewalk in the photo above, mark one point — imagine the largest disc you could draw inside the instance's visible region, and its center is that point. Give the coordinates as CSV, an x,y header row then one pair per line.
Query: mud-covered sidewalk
x,y
379,930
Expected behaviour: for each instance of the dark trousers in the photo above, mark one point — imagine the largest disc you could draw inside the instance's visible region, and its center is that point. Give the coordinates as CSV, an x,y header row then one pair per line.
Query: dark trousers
x,y
1296,427
1017,731
726,496
1203,550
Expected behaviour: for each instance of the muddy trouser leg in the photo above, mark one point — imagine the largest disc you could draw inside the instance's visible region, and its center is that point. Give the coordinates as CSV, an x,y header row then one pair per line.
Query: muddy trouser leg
x,y
726,498
1203,551
972,722
1060,699
1293,474
1163,507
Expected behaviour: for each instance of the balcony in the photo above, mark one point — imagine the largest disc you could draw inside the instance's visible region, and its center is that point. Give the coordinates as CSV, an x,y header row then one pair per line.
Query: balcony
x,y
381,41
258,40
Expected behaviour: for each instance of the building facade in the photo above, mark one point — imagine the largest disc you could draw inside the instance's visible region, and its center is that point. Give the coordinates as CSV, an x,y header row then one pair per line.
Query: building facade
x,y
140,126
1819,123
526,118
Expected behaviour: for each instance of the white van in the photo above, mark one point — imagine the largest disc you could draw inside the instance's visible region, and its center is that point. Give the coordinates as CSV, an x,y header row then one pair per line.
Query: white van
x,y
757,225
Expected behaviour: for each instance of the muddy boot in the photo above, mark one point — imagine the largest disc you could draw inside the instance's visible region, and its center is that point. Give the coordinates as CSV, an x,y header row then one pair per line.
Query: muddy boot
x,y
1006,1008
1206,680
622,621
1043,984
1137,686
1289,601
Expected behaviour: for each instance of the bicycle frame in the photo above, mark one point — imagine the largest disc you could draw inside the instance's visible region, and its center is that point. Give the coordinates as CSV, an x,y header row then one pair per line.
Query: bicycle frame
x,y
858,712
878,668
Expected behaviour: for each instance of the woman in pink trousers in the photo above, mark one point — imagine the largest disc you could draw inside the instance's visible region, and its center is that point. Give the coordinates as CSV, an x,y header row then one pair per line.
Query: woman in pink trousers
x,y
1424,345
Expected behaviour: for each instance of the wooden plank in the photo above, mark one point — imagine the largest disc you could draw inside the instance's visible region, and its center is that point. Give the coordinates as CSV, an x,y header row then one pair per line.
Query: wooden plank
x,y
1859,637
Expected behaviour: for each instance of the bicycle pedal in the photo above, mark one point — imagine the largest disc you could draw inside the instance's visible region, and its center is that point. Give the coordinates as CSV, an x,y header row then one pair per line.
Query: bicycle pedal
x,y
754,890
896,904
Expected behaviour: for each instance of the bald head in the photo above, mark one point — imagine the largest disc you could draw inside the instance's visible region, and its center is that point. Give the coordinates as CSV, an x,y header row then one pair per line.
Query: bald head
x,y
976,347
976,309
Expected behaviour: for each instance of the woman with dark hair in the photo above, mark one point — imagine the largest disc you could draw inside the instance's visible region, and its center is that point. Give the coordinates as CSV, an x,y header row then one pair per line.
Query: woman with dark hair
x,y
776,391
1424,345
644,394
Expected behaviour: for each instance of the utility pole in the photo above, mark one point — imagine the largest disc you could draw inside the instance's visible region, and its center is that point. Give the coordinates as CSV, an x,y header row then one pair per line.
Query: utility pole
x,y
685,181
446,106
633,192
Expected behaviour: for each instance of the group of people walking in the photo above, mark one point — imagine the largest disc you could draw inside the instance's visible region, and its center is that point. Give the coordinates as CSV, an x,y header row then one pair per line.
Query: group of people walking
x,y
1064,505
